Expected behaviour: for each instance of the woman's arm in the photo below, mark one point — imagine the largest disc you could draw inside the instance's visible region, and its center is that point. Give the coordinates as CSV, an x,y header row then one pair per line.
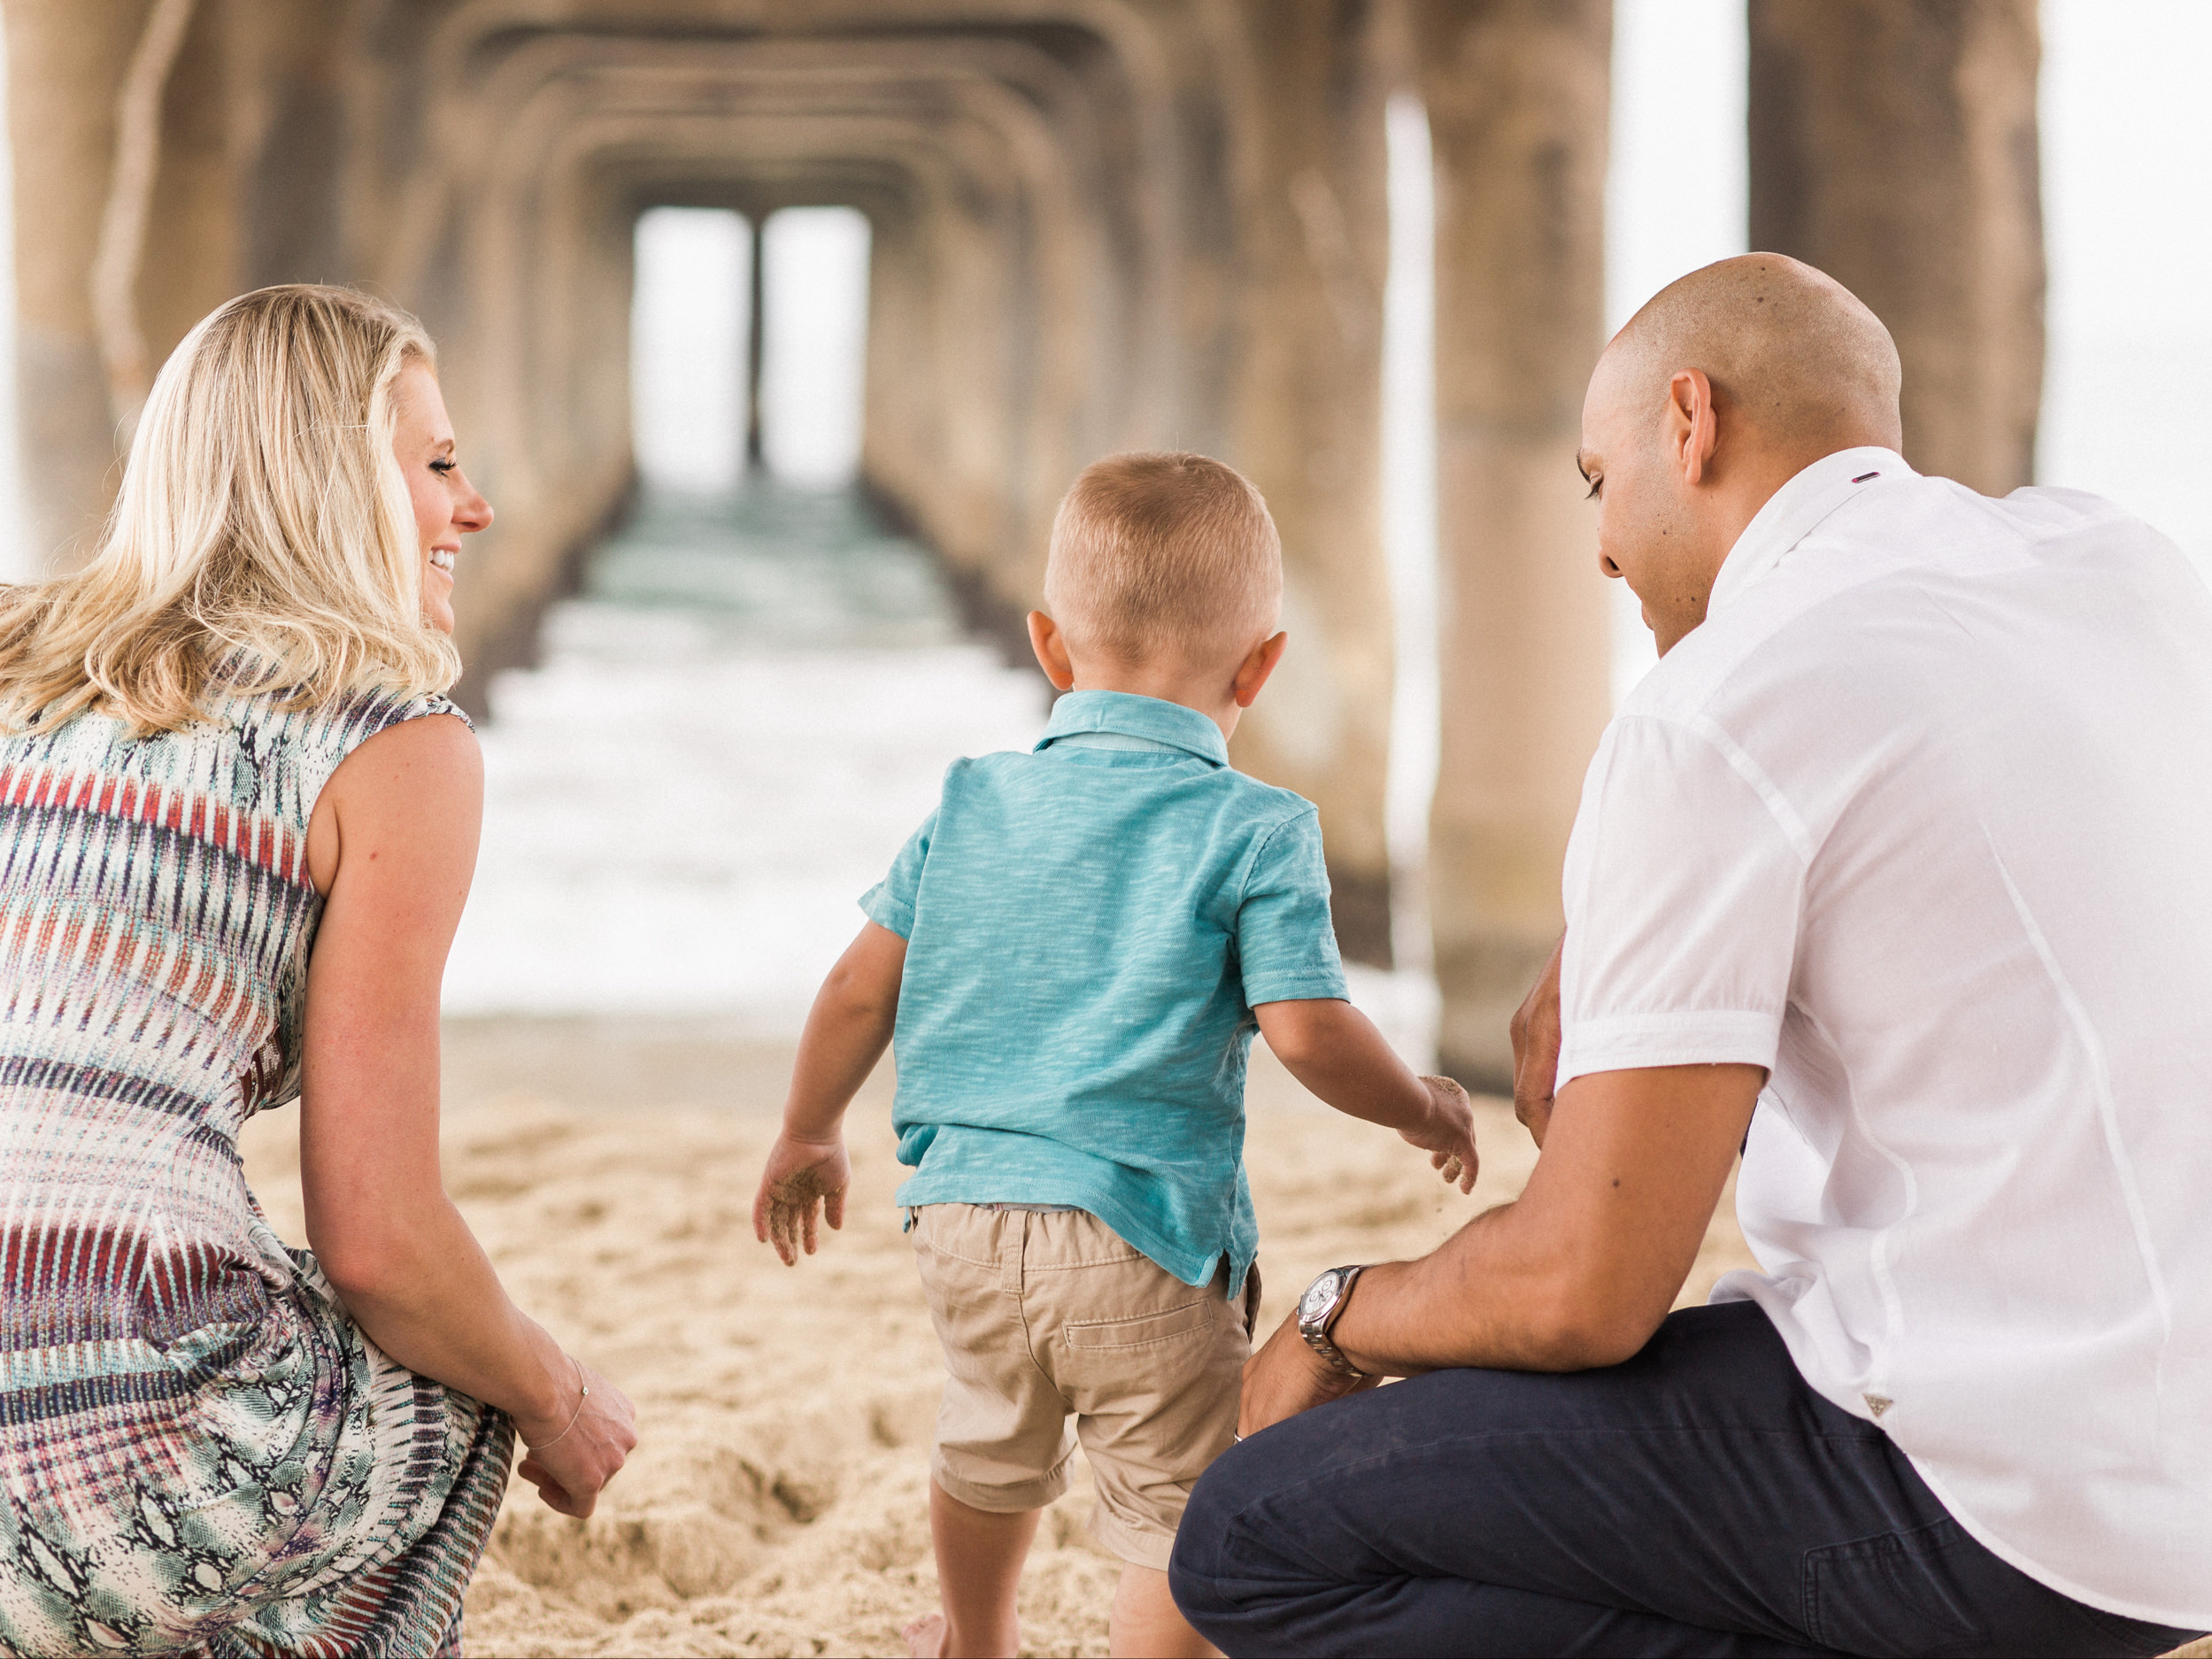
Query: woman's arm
x,y
393,845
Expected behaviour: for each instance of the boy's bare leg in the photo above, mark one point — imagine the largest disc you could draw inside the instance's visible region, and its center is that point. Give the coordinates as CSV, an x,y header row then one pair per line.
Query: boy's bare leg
x,y
1146,1625
979,1567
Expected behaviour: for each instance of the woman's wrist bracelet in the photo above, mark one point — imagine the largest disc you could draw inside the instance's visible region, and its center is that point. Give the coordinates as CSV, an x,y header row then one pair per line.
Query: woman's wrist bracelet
x,y
584,1393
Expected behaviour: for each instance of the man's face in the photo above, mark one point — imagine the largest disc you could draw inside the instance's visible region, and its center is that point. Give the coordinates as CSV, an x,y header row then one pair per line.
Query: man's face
x,y
1646,533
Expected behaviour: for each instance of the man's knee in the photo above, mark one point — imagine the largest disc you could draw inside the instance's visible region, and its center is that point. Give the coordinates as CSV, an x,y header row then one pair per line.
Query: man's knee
x,y
1198,1574
1193,1568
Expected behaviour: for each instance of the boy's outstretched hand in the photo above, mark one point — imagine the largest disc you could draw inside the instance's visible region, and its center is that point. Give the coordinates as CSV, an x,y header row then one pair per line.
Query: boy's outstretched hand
x,y
1448,1135
1335,1051
800,1175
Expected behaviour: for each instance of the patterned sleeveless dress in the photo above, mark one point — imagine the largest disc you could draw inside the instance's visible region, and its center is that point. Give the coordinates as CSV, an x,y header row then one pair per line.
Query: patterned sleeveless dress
x,y
199,1451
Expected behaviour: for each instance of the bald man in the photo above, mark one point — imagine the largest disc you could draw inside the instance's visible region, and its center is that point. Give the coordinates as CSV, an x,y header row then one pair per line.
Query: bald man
x,y
1892,874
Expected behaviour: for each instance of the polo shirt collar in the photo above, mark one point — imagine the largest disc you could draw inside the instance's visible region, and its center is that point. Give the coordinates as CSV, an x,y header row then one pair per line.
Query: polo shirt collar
x,y
1135,716
1793,512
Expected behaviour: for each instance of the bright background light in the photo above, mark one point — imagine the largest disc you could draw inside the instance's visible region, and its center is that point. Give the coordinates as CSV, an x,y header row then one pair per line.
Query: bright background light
x,y
1678,186
19,560
814,360
2127,151
2127,146
689,312
1409,517
690,334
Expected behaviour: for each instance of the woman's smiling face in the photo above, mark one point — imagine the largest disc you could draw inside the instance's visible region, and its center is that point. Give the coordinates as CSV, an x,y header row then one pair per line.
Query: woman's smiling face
x,y
446,505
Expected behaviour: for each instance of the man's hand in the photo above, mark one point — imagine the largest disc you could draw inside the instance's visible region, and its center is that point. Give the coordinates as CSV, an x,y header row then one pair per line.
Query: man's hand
x,y
1448,1133
1536,1037
800,1175
1285,1378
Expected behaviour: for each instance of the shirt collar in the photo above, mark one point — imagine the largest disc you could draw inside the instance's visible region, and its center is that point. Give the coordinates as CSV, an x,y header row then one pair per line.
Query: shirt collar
x,y
1794,511
1136,716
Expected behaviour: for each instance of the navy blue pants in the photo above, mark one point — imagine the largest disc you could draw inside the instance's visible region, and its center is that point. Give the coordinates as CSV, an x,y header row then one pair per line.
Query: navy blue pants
x,y
1700,1499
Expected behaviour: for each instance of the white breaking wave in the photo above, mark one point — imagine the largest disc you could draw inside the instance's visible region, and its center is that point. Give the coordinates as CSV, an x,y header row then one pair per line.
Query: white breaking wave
x,y
729,739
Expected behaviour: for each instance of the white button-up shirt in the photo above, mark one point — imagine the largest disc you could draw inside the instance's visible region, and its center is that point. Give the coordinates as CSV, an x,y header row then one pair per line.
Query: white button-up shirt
x,y
1920,820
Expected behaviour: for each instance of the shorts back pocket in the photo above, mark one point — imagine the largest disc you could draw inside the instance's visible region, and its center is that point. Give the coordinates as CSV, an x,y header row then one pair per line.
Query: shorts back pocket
x,y
1145,1330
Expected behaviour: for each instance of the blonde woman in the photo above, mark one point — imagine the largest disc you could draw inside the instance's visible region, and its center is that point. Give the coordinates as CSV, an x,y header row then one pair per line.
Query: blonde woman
x,y
238,819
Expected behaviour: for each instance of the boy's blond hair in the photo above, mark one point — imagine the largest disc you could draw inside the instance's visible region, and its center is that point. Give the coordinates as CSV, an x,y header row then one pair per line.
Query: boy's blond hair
x,y
1164,550
263,540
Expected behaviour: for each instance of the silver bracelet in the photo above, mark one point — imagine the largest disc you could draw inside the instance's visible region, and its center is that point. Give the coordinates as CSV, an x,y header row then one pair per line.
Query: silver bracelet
x,y
583,1395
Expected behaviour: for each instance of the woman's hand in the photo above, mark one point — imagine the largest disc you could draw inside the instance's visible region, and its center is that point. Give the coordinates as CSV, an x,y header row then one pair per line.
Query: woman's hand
x,y
571,1457
801,1173
1447,1134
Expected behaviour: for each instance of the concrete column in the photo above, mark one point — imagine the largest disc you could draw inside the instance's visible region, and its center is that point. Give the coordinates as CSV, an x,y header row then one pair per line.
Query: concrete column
x,y
1517,93
893,457
291,64
1893,144
191,263
66,63
1306,423
968,357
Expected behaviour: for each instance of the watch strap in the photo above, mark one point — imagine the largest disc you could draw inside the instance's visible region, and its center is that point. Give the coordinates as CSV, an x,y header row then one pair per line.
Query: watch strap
x,y
1317,1335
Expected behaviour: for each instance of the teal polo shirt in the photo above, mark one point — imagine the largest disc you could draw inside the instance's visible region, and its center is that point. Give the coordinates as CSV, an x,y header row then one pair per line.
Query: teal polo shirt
x,y
1089,927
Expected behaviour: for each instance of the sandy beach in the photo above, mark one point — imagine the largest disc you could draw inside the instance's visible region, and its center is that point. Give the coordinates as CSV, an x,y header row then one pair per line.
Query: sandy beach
x,y
776,1503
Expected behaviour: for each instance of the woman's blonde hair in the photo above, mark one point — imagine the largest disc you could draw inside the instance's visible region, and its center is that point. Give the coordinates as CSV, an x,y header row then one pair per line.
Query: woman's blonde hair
x,y
263,540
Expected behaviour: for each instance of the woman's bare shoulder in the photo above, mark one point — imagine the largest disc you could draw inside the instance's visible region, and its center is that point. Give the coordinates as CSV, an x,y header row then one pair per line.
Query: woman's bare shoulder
x,y
418,785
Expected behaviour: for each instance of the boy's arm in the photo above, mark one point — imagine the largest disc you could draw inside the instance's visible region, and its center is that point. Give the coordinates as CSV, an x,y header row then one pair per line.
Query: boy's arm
x,y
1335,1052
847,1031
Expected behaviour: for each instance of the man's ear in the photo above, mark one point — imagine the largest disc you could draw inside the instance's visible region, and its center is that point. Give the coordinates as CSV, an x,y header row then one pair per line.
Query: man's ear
x,y
1692,426
1050,646
1252,672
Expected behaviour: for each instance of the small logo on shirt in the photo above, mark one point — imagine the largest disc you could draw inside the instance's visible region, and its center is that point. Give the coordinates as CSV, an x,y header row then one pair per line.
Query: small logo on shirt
x,y
1862,477
1878,1404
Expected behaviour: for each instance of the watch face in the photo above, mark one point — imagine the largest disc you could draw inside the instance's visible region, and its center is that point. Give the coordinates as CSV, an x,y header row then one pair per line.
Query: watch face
x,y
1318,1295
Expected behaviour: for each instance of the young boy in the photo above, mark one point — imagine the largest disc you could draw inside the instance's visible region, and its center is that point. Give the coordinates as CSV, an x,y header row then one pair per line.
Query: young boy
x,y
1073,952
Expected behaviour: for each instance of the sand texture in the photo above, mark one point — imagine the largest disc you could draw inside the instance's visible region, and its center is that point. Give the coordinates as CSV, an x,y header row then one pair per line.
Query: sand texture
x,y
776,1503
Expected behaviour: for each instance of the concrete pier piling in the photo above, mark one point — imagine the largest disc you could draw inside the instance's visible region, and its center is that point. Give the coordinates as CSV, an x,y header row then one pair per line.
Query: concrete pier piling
x,y
1099,226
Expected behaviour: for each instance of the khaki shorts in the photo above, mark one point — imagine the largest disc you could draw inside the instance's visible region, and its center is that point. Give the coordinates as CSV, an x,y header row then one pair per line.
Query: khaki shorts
x,y
1050,1315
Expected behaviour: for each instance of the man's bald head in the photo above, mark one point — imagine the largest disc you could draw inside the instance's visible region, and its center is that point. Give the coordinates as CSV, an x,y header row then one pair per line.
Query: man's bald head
x,y
1788,350
1727,385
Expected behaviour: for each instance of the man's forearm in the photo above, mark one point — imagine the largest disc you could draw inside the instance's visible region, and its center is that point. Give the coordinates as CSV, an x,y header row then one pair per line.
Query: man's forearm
x,y
1580,1269
1476,1300
1406,1317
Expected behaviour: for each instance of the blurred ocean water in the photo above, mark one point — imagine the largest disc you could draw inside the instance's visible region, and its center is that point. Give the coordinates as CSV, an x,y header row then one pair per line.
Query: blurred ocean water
x,y
735,725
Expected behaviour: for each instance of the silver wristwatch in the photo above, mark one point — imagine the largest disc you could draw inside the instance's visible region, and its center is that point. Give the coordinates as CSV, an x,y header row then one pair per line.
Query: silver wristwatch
x,y
1318,1310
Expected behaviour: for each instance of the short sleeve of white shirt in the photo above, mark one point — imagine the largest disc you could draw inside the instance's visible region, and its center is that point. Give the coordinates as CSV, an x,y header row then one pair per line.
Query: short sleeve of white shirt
x,y
1684,883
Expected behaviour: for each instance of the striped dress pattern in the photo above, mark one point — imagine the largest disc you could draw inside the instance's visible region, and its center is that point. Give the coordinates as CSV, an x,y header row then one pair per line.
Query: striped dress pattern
x,y
199,1451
